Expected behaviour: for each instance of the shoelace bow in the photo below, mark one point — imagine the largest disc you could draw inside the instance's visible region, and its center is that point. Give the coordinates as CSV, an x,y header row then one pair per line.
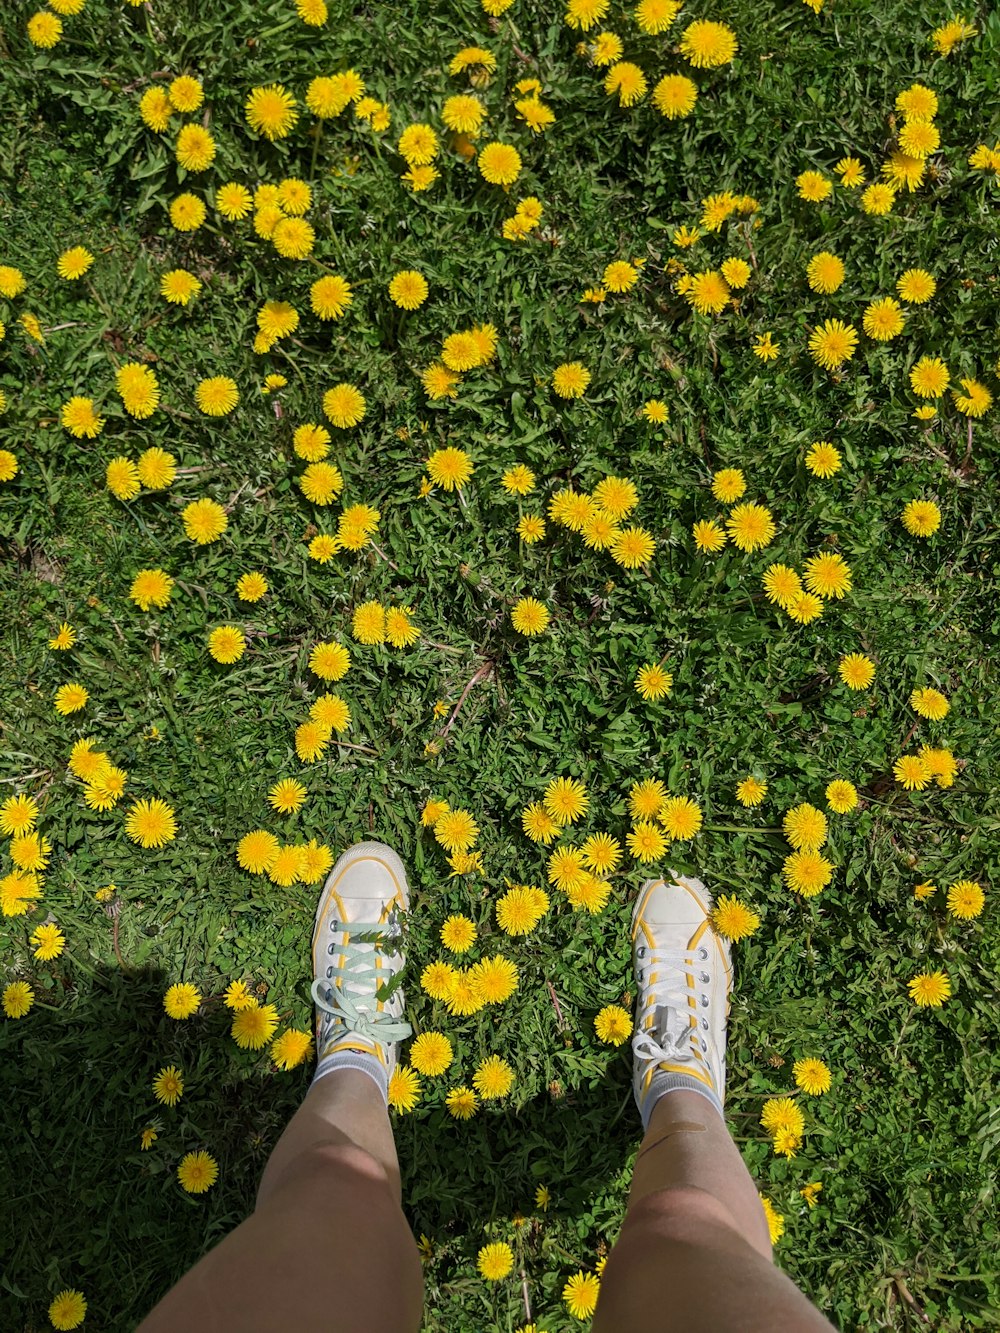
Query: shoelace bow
x,y
330,994
674,1041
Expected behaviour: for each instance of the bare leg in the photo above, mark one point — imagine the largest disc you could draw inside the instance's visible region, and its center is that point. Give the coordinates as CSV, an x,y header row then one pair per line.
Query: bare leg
x,y
328,1247
694,1250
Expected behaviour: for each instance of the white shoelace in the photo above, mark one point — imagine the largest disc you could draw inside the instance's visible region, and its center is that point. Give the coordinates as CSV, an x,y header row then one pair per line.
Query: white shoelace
x,y
358,1012
672,1035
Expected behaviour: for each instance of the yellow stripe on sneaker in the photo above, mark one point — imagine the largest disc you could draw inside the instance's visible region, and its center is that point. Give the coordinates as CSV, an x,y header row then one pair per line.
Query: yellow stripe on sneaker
x,y
355,1044
693,942
700,1075
331,893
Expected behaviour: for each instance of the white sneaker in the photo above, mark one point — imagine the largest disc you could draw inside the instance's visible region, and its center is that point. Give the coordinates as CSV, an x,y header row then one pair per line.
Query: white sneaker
x,y
684,975
357,958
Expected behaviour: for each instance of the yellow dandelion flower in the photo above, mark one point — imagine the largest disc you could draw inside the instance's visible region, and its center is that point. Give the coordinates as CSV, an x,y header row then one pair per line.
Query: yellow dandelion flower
x,y
878,199
151,588
930,989
812,1076
458,933
456,830
197,1172
181,1000
462,1103
733,919
921,518
828,575
975,401
708,292
813,186
833,343
807,873
653,681
168,1085
584,14
805,827
227,644
151,823
825,272
70,699
495,1261
823,459
856,670
751,791
253,1026
707,45
841,796
499,164
404,1089
681,817
750,526
529,616
613,1025
709,536
582,1290
566,800
270,111
627,81
570,380
187,212
291,1048
965,899
493,1078
538,824
930,703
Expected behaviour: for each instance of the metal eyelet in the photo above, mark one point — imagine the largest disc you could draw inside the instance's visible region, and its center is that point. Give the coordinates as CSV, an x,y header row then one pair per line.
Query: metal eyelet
x,y
703,953
704,1045
329,972
704,1001
704,1023
705,977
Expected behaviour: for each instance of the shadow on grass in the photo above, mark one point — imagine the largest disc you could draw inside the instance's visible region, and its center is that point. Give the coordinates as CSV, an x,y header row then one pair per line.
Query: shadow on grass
x,y
86,1208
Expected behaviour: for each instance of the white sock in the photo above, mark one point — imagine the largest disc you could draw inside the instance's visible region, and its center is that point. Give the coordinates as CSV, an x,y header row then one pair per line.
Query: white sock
x,y
664,1082
346,1058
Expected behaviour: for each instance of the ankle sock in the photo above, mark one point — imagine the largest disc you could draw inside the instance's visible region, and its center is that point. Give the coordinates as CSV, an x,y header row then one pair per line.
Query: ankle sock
x,y
664,1082
346,1058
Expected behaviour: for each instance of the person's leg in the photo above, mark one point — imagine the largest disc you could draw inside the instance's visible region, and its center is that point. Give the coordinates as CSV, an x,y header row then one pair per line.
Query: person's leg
x,y
694,1250
327,1247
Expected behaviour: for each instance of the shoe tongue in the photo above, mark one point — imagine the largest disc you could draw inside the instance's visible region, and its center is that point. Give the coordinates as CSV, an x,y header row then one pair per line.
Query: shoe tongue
x,y
673,1027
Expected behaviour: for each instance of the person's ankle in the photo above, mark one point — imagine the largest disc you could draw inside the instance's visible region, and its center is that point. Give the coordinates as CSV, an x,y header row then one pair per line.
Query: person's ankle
x,y
664,1084
343,1059
678,1104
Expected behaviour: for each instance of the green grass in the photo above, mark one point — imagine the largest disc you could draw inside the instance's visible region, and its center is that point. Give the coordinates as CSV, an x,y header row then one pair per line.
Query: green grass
x,y
905,1233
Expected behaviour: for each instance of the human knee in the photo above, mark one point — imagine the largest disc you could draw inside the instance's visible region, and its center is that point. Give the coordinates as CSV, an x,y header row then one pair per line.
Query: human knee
x,y
683,1214
329,1166
347,1159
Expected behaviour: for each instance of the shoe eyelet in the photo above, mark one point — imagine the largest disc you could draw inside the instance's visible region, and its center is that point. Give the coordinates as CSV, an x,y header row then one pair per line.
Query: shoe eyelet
x,y
705,978
641,952
704,1001
704,1023
329,972
704,1045
703,954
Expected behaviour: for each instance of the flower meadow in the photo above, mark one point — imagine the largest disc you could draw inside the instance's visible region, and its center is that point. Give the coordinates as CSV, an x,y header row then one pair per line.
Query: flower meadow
x,y
557,440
